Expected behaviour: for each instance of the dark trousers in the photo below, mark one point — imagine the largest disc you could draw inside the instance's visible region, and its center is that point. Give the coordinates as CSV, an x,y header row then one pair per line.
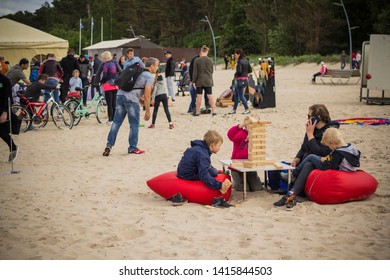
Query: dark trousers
x,y
4,134
164,99
111,103
193,100
85,90
299,185
316,75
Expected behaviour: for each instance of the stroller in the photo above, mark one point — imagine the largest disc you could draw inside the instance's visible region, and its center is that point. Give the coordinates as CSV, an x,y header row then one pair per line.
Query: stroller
x,y
184,83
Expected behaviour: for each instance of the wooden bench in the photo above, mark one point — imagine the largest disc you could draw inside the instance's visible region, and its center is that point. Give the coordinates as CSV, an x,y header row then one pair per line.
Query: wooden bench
x,y
338,76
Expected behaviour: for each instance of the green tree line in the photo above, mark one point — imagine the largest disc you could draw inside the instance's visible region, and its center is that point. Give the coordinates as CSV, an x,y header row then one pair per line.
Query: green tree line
x,y
282,27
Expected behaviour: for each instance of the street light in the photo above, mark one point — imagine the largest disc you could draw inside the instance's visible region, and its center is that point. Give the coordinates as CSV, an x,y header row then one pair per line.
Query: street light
x,y
212,34
349,31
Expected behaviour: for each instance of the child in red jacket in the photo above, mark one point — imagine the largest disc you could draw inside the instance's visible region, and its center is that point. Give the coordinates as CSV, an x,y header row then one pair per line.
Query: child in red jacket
x,y
238,134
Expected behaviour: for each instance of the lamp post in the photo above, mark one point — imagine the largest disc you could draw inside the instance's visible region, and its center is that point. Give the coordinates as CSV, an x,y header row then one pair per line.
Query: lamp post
x,y
349,31
212,34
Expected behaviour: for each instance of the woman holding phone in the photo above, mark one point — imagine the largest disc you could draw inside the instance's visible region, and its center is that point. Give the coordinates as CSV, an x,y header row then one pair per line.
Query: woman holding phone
x,y
318,120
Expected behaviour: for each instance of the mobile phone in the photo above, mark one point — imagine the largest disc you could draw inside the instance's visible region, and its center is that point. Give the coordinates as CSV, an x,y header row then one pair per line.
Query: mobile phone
x,y
315,119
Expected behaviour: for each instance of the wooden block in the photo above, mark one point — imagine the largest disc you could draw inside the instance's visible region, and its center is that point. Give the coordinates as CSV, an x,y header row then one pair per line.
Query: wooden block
x,y
277,165
237,164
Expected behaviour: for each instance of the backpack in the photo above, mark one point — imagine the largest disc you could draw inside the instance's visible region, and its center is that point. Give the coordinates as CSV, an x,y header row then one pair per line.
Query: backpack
x,y
127,78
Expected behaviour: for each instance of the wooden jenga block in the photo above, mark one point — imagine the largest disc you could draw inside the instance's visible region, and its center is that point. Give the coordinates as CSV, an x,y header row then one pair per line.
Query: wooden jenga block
x,y
277,165
237,163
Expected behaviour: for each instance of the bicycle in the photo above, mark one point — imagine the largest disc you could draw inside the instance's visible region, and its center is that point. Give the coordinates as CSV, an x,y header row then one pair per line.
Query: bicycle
x,y
79,110
36,114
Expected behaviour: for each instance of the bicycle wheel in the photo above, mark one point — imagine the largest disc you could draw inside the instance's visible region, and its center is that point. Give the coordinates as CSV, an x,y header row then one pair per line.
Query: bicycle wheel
x,y
73,105
40,121
24,115
62,117
101,111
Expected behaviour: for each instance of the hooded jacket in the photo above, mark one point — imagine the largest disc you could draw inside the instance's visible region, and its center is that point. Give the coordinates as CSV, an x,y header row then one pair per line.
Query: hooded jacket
x,y
346,158
196,165
314,146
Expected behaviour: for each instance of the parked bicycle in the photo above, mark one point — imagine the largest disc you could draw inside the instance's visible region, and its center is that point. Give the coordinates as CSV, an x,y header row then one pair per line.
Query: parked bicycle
x,y
97,106
36,114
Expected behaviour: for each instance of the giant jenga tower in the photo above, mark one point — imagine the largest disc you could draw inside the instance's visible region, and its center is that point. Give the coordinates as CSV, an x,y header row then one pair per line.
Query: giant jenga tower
x,y
256,145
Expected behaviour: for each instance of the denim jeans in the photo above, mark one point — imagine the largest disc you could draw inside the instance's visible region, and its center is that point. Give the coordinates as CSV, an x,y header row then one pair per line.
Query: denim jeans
x,y
314,159
239,87
132,110
52,82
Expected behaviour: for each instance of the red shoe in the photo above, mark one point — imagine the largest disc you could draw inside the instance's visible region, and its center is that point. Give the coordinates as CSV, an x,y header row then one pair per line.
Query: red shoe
x,y
136,151
151,126
171,126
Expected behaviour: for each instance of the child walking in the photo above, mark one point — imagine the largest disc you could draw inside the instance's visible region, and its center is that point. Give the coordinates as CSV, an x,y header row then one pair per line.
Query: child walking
x,y
238,134
160,95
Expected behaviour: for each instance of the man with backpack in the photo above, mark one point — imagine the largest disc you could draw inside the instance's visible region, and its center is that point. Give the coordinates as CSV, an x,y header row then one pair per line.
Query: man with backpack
x,y
128,103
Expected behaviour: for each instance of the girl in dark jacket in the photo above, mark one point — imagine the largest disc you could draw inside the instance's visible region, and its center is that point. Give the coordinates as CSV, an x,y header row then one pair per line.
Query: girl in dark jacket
x,y
243,69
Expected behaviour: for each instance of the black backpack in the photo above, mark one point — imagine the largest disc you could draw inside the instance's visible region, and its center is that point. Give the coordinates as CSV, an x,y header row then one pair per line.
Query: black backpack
x,y
127,78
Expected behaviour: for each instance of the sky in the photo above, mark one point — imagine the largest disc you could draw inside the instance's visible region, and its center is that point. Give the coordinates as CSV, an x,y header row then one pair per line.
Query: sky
x,y
12,6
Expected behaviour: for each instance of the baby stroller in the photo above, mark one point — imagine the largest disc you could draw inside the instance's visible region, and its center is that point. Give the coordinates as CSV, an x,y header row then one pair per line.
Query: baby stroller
x,y
184,83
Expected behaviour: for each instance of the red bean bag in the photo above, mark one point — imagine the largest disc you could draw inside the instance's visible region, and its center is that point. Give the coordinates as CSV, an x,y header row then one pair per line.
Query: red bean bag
x,y
168,184
334,186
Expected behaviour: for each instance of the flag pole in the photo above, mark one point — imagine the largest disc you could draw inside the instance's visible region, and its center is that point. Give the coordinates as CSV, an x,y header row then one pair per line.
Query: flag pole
x,y
101,28
80,37
91,31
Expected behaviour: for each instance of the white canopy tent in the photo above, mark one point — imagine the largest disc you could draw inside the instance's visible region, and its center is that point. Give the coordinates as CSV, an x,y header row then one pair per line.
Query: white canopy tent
x,y
18,41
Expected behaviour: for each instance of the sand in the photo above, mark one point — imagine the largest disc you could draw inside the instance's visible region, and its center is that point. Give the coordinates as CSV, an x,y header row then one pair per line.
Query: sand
x,y
70,202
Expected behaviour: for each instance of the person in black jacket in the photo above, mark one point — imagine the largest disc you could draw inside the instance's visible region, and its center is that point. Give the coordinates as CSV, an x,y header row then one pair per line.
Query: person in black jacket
x,y
5,95
170,73
243,69
68,64
33,92
318,121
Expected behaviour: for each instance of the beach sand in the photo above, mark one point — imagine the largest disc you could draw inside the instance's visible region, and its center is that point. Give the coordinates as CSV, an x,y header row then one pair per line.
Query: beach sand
x,y
70,202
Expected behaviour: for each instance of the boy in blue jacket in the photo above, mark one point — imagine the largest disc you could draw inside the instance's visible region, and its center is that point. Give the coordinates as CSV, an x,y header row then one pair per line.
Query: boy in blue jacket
x,y
196,163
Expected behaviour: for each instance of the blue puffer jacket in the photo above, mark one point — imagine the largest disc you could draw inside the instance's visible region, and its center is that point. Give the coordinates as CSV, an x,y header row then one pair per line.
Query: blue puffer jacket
x,y
196,165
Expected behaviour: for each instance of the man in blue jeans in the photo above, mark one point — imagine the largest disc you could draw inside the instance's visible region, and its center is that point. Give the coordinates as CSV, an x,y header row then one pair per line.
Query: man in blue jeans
x,y
128,103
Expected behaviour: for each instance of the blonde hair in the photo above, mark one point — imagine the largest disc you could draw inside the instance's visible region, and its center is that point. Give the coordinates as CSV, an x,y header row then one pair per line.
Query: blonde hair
x,y
106,56
212,136
332,134
204,48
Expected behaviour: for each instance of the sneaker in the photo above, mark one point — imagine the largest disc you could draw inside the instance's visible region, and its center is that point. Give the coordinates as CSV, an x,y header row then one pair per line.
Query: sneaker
x,y
246,112
136,151
196,114
171,126
291,202
213,114
13,155
107,151
220,202
282,201
232,112
178,200
151,126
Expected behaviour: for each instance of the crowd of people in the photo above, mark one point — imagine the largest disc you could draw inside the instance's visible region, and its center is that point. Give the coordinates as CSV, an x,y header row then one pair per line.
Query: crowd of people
x,y
323,146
